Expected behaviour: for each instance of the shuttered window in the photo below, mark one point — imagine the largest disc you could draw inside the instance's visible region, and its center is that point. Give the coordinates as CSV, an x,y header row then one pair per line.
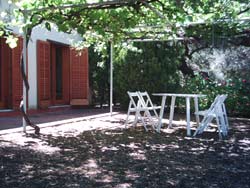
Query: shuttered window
x,y
79,77
75,81
17,82
43,74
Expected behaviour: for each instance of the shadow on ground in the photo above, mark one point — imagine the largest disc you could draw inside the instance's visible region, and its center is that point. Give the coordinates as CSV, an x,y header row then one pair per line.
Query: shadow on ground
x,y
10,122
131,158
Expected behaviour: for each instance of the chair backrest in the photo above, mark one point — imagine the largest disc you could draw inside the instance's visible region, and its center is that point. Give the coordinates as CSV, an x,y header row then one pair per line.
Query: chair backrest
x,y
147,103
216,106
134,99
145,99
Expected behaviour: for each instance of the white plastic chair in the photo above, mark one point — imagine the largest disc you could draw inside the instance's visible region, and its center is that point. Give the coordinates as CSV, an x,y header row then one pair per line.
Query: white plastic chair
x,y
150,112
141,104
216,111
136,107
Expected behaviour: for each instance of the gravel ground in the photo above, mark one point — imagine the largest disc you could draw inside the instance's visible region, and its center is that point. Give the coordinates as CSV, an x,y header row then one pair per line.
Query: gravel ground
x,y
97,151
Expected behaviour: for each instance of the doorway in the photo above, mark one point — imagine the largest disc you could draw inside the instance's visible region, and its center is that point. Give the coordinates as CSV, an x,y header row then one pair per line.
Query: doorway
x,y
59,74
62,75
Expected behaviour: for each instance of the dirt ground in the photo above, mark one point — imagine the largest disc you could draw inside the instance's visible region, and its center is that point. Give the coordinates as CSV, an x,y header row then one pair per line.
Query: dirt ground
x,y
100,152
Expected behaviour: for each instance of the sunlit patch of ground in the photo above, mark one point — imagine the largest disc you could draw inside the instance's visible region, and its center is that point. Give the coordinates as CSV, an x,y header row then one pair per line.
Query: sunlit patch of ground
x,y
68,128
97,151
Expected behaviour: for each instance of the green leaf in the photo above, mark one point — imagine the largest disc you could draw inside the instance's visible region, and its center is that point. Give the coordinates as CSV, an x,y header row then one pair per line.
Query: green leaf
x,y
190,18
62,27
47,25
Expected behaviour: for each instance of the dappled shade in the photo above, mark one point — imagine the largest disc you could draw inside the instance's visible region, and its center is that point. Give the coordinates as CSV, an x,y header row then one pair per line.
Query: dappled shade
x,y
129,158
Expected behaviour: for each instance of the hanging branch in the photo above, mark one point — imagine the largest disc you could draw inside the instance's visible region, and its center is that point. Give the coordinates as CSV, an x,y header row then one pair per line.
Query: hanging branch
x,y
100,5
26,83
25,80
27,120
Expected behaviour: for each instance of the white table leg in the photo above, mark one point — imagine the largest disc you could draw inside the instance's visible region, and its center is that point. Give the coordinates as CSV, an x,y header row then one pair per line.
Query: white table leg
x,y
171,116
188,115
163,101
196,106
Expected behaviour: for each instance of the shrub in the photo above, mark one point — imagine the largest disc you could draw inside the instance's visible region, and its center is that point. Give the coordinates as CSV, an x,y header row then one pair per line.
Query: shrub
x,y
237,89
153,70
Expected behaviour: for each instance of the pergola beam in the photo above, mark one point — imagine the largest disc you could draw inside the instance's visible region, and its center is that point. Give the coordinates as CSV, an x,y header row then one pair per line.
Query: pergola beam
x,y
153,9
100,5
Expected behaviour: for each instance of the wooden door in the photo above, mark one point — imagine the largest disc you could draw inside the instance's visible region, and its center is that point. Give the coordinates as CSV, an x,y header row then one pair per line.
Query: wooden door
x,y
5,75
43,74
60,74
79,82
17,82
66,74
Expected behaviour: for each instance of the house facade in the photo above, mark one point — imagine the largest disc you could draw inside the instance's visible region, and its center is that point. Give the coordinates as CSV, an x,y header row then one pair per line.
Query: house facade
x,y
57,73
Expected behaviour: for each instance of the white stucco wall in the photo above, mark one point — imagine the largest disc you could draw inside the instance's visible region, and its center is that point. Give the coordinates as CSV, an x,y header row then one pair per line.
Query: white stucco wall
x,y
4,5
38,33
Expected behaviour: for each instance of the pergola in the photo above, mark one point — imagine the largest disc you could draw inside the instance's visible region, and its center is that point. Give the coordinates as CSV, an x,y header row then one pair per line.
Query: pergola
x,y
113,4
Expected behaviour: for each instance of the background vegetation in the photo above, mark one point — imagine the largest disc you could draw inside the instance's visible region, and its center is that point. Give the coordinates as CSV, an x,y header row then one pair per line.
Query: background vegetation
x,y
155,67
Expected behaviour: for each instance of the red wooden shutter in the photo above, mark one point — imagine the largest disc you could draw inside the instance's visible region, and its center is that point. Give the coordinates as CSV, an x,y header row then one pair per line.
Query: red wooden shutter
x,y
6,55
17,82
1,74
79,82
66,74
43,74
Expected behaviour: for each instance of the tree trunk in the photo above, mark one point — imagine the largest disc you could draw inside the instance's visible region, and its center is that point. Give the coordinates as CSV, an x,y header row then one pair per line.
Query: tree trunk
x,y
185,69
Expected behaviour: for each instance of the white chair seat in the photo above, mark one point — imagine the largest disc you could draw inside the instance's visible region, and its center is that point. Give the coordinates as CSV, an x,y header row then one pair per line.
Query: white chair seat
x,y
204,112
150,111
201,113
145,108
154,107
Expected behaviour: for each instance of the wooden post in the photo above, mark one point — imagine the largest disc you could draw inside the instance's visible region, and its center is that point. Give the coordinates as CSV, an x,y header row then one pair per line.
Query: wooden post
x,y
111,78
